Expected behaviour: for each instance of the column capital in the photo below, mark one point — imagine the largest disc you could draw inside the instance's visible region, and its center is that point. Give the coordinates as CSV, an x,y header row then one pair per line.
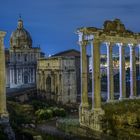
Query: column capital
x,y
83,43
119,44
131,45
96,40
109,44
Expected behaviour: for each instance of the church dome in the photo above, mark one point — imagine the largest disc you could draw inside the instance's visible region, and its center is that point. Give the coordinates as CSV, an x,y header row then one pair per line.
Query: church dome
x,y
20,38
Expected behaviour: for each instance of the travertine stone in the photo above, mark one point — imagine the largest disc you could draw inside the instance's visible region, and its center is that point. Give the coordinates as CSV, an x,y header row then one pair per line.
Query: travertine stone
x,y
84,74
122,71
132,71
96,87
110,78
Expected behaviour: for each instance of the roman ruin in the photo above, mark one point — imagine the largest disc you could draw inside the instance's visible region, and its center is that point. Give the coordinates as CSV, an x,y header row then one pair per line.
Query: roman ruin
x,y
113,33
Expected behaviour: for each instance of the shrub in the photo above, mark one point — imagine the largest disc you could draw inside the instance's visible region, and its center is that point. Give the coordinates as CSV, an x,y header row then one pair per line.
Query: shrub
x,y
39,105
60,112
44,114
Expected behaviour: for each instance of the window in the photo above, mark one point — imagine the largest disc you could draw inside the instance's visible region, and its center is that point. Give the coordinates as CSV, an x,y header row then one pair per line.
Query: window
x,y
25,57
18,56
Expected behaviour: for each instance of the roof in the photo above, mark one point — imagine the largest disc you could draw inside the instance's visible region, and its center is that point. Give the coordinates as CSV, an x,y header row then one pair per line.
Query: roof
x,y
71,52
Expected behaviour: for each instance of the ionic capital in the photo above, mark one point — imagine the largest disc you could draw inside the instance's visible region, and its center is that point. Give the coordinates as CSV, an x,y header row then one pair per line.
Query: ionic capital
x,y
109,44
131,45
83,43
119,44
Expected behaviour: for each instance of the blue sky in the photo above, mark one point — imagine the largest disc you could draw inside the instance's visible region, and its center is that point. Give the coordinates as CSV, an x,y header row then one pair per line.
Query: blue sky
x,y
52,23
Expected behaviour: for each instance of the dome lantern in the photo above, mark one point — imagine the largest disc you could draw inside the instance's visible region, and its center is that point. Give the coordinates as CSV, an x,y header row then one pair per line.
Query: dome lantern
x,y
20,24
20,38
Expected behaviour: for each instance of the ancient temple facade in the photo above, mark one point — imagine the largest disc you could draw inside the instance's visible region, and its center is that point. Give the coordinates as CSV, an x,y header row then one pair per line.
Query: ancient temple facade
x,y
113,33
22,61
56,79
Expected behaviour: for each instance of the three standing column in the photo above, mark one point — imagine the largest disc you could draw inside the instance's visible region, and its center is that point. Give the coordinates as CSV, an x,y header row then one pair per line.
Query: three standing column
x,y
84,78
96,86
132,71
122,71
110,76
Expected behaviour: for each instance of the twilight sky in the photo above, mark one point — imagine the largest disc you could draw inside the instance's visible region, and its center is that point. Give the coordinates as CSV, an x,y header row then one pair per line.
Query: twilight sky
x,y
52,23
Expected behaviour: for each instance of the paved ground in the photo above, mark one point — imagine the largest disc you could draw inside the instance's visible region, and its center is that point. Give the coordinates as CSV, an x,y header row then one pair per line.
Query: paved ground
x,y
50,128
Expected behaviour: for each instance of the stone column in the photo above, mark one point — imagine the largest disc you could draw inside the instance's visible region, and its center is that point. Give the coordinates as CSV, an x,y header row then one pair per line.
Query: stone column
x,y
122,71
96,83
17,77
11,81
110,78
132,71
84,78
34,75
139,60
3,110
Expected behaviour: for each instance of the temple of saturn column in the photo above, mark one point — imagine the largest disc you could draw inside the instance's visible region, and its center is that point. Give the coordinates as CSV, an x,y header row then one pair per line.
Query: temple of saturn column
x,y
3,111
113,33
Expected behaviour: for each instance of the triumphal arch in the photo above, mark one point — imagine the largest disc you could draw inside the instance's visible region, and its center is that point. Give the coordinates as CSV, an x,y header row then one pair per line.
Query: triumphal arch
x,y
112,33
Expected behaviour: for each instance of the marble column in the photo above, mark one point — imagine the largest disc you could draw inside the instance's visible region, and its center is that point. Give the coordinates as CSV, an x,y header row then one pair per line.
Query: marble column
x,y
122,71
11,80
84,78
132,71
96,83
3,109
110,76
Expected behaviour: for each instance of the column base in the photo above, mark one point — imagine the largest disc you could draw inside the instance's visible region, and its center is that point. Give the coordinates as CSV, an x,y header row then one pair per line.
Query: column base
x,y
85,105
122,98
4,118
98,110
132,97
97,119
110,100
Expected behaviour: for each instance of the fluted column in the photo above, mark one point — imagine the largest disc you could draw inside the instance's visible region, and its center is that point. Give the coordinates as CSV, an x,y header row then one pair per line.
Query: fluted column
x,y
3,110
122,71
110,78
132,71
84,80
96,86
